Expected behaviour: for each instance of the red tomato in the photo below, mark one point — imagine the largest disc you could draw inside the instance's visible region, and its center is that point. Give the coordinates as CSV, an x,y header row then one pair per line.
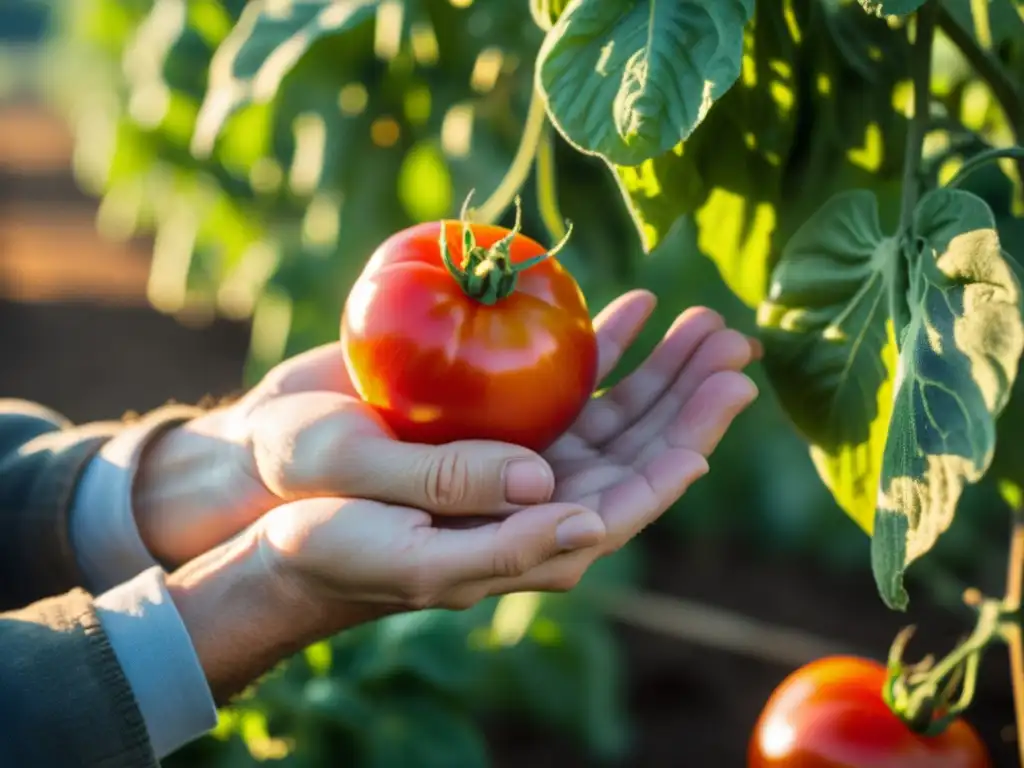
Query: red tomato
x,y
831,714
439,363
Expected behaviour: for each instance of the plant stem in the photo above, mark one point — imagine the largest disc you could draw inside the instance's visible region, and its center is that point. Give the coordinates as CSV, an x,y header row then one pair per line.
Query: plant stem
x,y
983,158
985,631
991,70
519,170
921,75
547,186
1015,566
1012,629
1015,647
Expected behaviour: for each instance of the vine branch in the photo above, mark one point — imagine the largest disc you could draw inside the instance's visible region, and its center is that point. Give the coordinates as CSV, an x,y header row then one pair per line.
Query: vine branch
x,y
921,76
519,170
1011,629
547,186
990,70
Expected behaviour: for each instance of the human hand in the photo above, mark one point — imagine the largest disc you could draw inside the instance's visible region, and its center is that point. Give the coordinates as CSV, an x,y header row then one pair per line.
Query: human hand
x,y
301,433
315,566
632,453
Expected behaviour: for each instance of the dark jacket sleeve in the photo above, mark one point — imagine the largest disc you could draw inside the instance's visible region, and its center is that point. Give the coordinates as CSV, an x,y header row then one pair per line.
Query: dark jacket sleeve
x,y
64,699
42,457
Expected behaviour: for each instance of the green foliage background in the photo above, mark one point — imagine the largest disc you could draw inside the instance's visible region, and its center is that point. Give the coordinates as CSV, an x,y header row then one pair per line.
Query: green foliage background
x,y
269,161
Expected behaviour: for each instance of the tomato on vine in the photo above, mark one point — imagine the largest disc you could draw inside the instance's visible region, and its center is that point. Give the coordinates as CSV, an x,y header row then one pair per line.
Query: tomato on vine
x,y
459,331
831,714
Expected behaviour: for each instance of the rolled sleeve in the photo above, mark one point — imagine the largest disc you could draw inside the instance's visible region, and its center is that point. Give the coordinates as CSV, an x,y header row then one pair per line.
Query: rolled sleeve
x,y
159,661
104,535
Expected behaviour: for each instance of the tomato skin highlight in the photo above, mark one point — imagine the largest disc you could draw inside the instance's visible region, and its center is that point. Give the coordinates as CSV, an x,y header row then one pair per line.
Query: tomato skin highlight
x,y
831,714
440,366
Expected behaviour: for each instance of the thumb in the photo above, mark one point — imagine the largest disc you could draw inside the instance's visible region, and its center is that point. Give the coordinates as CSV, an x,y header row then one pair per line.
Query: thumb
x,y
517,545
466,477
326,444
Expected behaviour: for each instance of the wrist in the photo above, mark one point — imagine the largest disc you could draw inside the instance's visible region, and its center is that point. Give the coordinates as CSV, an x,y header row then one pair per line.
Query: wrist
x,y
243,619
192,489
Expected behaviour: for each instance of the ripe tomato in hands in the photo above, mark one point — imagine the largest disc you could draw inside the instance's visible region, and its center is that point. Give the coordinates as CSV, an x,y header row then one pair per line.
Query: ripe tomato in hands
x,y
831,714
496,346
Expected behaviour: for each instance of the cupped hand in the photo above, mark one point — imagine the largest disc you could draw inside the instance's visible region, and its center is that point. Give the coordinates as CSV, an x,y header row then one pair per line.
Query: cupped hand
x,y
631,454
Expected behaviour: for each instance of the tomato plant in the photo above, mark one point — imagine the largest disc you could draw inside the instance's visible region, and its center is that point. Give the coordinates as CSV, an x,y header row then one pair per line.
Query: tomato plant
x,y
831,713
482,335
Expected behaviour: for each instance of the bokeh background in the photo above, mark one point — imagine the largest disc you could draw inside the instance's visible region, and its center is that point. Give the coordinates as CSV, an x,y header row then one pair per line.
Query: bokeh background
x,y
132,273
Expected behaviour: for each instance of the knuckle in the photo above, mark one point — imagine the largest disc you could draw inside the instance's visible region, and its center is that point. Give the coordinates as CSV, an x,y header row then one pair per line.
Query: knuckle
x,y
447,479
510,563
419,590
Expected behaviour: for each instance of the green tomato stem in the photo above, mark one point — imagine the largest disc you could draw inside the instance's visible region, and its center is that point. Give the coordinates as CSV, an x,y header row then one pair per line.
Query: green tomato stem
x,y
984,158
916,692
488,275
991,70
921,76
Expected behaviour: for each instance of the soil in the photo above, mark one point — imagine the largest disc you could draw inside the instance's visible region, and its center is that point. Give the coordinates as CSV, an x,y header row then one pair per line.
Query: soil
x,y
97,351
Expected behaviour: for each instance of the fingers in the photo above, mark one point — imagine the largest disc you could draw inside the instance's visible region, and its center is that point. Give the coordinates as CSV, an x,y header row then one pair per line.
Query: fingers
x,y
708,414
323,444
468,477
509,549
367,551
319,369
618,325
724,350
696,431
626,508
607,416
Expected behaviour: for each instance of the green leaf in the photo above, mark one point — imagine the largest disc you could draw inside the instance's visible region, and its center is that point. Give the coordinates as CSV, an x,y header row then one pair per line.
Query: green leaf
x,y
546,12
1004,20
269,39
891,7
724,175
629,80
430,645
415,728
958,362
830,348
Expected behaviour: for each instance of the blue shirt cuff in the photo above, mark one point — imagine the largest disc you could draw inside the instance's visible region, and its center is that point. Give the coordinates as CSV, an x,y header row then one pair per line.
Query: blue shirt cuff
x,y
156,653
104,536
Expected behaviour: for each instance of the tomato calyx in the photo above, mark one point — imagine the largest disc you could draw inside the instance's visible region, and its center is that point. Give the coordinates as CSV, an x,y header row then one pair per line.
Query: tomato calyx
x,y
930,695
488,275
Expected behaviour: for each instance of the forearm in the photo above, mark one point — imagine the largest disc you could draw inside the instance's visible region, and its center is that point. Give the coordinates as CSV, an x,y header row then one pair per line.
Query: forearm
x,y
243,620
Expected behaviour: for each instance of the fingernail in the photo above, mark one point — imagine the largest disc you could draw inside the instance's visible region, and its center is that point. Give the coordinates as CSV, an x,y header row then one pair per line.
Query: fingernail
x,y
584,529
756,348
528,482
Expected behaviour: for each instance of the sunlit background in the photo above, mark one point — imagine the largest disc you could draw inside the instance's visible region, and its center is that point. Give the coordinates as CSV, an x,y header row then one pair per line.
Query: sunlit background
x,y
132,272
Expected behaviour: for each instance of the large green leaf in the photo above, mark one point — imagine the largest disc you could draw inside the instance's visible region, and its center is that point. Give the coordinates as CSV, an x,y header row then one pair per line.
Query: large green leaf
x,y
630,79
724,176
829,345
958,362
268,40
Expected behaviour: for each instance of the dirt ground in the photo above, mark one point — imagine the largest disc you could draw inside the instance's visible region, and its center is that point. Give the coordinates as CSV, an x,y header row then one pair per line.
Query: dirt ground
x,y
76,335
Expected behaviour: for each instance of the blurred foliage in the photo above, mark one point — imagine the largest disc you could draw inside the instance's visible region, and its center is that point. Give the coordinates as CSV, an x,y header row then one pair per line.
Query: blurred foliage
x,y
267,148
